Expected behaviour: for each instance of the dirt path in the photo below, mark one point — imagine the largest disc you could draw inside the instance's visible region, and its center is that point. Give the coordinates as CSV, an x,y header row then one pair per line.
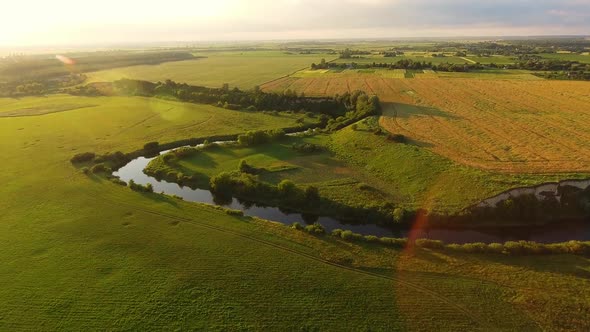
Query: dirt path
x,y
468,60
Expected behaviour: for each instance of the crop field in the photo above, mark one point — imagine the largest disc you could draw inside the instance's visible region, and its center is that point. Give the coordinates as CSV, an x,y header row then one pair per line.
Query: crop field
x,y
242,70
582,58
110,258
500,125
497,59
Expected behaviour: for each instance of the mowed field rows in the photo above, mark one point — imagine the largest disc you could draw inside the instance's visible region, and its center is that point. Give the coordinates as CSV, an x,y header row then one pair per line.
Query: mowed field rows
x,y
501,125
242,70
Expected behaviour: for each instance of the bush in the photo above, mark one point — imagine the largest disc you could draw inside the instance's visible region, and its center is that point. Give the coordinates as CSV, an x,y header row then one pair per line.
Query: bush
x,y
184,152
85,170
151,146
100,168
398,138
138,187
337,232
243,167
118,181
316,229
222,183
399,215
297,226
312,194
306,147
393,242
363,186
232,212
495,248
82,157
476,247
429,244
286,187
371,238
354,127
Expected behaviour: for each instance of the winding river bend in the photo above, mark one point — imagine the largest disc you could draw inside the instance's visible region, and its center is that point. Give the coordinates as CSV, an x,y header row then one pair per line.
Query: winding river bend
x,y
544,234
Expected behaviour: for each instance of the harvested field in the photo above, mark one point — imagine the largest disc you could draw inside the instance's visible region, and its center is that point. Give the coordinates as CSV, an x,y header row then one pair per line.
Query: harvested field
x,y
501,125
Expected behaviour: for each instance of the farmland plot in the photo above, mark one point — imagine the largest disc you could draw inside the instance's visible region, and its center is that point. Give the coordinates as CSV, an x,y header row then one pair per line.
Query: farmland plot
x,y
535,126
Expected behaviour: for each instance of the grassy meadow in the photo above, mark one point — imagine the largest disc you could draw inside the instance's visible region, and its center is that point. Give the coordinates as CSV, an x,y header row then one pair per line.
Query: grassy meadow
x,y
80,252
242,69
358,168
110,258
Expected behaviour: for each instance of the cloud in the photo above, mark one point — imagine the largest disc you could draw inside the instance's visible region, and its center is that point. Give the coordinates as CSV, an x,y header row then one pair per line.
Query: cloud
x,y
185,20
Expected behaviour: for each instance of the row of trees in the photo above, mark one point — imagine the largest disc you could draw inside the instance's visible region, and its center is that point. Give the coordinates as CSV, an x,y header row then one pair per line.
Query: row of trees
x,y
402,64
253,100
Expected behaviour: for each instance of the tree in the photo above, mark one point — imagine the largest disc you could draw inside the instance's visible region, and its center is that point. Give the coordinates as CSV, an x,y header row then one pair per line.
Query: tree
x,y
399,215
286,187
312,194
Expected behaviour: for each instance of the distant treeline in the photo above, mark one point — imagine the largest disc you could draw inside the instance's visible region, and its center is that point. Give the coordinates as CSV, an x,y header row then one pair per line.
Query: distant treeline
x,y
21,68
401,64
236,99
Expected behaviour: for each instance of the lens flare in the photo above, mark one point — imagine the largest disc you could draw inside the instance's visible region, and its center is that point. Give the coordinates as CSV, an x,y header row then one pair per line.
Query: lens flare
x,y
65,60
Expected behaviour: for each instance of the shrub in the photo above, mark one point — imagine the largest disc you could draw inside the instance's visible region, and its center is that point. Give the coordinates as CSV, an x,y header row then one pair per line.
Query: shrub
x,y
316,229
337,232
85,170
312,194
184,152
429,244
346,235
243,167
138,187
477,247
399,215
495,248
297,226
118,181
393,242
363,186
168,157
398,138
100,168
82,157
222,183
371,238
286,187
232,212
354,127
306,147
151,146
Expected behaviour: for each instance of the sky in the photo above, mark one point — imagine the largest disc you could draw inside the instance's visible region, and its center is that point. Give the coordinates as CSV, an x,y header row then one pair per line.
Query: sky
x,y
69,22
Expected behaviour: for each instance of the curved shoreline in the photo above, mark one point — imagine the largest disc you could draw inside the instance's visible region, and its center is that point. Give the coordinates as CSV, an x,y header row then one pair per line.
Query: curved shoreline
x,y
487,233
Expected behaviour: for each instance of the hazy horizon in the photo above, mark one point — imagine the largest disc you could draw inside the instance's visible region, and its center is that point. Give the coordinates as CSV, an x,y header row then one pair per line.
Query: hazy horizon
x,y
66,22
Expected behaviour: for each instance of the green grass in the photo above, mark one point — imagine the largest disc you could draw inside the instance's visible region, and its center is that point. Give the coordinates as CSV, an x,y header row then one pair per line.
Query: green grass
x,y
81,253
404,174
419,178
244,70
414,57
583,58
497,59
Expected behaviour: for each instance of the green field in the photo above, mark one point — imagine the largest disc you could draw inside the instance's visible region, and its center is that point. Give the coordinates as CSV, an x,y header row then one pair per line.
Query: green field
x,y
407,175
582,58
419,58
497,59
81,252
244,70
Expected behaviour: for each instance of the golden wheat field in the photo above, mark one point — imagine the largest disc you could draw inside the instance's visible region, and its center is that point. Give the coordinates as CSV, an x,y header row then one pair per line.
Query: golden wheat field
x,y
502,125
